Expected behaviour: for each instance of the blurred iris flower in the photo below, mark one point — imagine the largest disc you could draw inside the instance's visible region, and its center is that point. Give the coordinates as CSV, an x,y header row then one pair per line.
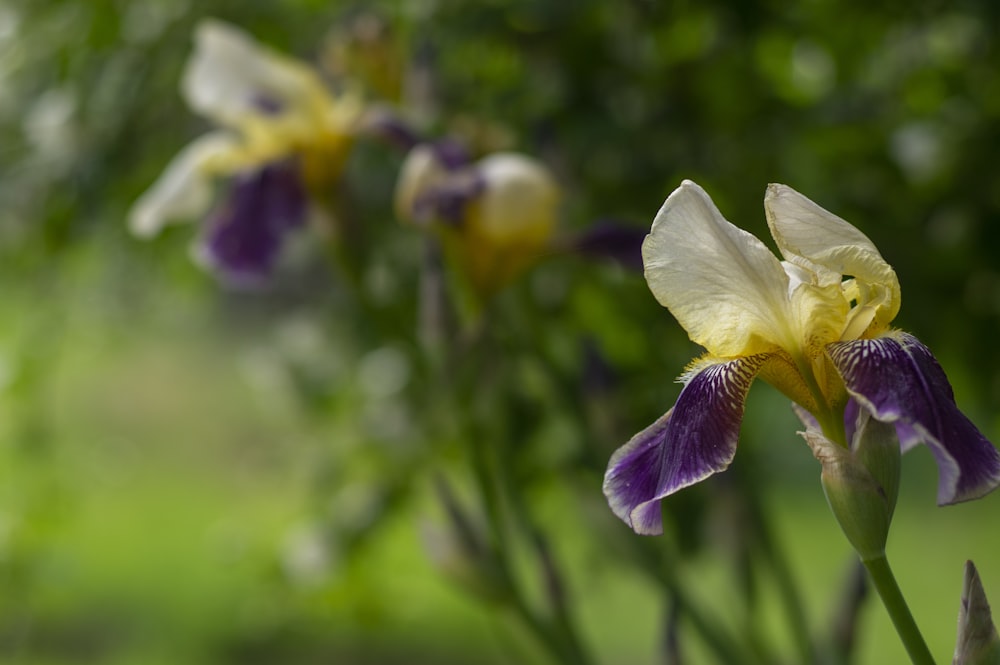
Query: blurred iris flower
x,y
495,216
283,136
815,325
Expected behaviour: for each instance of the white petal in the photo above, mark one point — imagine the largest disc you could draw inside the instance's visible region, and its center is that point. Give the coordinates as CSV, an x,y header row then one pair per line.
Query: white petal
x,y
721,283
803,229
184,190
230,74
420,170
812,237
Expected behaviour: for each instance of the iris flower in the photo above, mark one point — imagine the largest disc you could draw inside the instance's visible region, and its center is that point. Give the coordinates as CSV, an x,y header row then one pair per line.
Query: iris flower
x,y
815,325
496,216
282,136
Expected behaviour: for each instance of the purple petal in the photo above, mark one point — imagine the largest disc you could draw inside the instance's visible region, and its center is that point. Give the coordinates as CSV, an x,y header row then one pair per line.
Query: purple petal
x,y
897,379
452,154
244,238
267,105
447,201
851,411
393,129
695,439
611,240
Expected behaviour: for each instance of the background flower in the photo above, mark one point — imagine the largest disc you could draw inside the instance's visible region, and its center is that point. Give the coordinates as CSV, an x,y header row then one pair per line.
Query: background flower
x,y
283,139
495,216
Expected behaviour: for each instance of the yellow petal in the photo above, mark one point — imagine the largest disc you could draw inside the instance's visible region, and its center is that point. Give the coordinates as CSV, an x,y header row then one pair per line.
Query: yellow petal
x,y
825,244
820,313
727,290
508,225
420,171
519,201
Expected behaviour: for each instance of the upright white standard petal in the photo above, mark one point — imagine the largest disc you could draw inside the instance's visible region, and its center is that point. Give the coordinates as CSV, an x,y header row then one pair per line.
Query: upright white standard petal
x,y
830,247
804,230
723,285
230,75
184,190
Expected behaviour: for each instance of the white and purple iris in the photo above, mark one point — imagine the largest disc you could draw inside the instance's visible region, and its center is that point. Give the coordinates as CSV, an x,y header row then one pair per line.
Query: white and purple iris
x,y
816,325
282,136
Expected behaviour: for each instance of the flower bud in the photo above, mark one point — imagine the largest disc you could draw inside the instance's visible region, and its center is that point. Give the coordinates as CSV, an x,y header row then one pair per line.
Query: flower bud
x,y
978,643
861,483
496,216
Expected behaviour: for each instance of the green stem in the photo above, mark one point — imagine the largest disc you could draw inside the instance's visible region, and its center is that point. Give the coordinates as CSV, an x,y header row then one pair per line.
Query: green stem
x,y
787,589
503,507
664,567
555,633
895,604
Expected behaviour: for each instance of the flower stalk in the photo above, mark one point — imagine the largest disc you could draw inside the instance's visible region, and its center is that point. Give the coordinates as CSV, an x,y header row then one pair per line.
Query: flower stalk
x,y
892,597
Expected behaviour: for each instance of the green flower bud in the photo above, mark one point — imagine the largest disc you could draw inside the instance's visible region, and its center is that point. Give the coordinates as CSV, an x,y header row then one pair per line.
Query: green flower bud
x,y
861,483
978,643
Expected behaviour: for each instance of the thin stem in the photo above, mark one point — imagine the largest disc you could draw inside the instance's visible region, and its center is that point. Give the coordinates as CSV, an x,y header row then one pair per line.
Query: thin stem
x,y
555,633
504,507
671,644
787,588
664,567
895,604
844,625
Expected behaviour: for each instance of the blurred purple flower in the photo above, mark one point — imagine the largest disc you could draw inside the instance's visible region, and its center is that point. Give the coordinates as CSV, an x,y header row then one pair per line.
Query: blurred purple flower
x,y
243,239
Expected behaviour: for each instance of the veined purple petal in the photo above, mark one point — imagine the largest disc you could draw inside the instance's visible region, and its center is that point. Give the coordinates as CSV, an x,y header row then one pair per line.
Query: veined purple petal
x,y
897,379
694,440
244,237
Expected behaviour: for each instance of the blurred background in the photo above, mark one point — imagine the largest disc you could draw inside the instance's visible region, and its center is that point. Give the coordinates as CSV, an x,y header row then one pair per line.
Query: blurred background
x,y
196,474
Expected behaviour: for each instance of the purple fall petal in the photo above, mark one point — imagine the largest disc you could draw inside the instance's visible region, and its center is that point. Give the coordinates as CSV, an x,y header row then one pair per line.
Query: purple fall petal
x,y
244,238
851,411
452,154
605,239
694,440
897,379
447,202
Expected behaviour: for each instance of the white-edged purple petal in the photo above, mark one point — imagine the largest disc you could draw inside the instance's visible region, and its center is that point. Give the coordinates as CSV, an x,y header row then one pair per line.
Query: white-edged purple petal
x,y
694,440
897,379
